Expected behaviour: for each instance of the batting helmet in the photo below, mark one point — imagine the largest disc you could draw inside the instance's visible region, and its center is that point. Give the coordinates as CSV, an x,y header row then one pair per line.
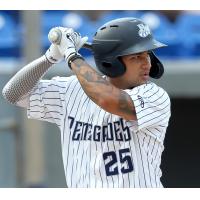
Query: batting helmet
x,y
120,37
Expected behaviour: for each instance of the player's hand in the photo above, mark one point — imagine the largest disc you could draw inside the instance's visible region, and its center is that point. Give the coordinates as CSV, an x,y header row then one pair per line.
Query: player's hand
x,y
70,43
53,54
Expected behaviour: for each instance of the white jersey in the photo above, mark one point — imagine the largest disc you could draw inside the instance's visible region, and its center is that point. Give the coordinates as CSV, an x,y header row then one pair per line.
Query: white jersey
x,y
100,149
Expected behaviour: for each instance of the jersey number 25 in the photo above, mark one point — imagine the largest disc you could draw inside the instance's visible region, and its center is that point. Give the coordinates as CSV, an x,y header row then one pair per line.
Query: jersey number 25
x,y
124,158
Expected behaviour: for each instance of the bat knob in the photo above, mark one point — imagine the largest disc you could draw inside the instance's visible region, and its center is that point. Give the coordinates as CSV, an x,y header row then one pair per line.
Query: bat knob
x,y
55,35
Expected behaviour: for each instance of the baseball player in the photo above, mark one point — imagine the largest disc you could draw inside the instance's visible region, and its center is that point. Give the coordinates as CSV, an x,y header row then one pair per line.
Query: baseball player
x,y
113,124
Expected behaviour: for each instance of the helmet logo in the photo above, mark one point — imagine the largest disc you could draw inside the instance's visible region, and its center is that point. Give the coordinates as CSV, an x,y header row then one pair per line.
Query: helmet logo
x,y
144,30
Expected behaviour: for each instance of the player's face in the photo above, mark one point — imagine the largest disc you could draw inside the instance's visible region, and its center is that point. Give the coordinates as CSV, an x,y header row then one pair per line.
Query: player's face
x,y
137,71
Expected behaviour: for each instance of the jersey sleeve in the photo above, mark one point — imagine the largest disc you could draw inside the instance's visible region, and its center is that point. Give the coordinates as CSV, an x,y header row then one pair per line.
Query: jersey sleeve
x,y
47,100
152,105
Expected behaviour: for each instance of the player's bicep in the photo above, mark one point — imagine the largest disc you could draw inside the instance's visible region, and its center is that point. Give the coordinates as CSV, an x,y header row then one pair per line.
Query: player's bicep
x,y
46,102
121,104
126,106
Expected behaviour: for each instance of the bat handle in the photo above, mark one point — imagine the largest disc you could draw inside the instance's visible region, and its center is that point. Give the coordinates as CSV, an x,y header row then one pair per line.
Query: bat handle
x,y
55,36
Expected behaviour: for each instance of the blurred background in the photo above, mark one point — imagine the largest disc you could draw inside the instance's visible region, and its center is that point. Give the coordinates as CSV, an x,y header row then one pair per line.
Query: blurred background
x,y
30,152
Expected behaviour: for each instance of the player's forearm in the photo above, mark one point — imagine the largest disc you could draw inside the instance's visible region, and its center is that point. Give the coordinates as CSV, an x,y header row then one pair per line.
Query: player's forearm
x,y
95,86
102,92
24,81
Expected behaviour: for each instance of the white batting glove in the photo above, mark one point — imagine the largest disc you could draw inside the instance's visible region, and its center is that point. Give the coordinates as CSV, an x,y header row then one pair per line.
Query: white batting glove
x,y
70,43
53,54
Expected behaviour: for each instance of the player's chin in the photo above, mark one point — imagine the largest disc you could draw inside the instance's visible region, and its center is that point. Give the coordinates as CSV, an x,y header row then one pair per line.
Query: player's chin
x,y
144,78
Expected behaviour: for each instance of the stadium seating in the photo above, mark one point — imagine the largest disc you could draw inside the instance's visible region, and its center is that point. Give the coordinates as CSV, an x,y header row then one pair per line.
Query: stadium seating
x,y
108,16
9,42
49,19
188,26
164,31
182,37
75,20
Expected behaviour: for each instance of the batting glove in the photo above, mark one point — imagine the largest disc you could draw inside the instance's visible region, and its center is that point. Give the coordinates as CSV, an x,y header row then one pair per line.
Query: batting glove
x,y
53,54
70,43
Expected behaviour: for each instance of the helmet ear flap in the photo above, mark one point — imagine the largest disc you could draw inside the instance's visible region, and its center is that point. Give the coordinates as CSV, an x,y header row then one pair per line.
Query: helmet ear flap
x,y
111,69
157,68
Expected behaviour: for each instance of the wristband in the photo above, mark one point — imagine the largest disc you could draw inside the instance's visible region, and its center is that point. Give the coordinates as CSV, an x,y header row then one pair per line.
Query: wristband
x,y
74,57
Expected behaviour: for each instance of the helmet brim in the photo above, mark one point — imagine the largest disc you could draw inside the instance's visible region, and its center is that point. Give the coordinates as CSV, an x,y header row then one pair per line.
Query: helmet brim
x,y
142,47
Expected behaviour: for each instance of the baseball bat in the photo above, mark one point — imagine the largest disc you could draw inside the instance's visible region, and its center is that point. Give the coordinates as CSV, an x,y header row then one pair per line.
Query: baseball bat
x,y
55,35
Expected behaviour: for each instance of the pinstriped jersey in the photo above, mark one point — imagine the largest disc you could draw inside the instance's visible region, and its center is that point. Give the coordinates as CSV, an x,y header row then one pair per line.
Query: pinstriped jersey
x,y
100,149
